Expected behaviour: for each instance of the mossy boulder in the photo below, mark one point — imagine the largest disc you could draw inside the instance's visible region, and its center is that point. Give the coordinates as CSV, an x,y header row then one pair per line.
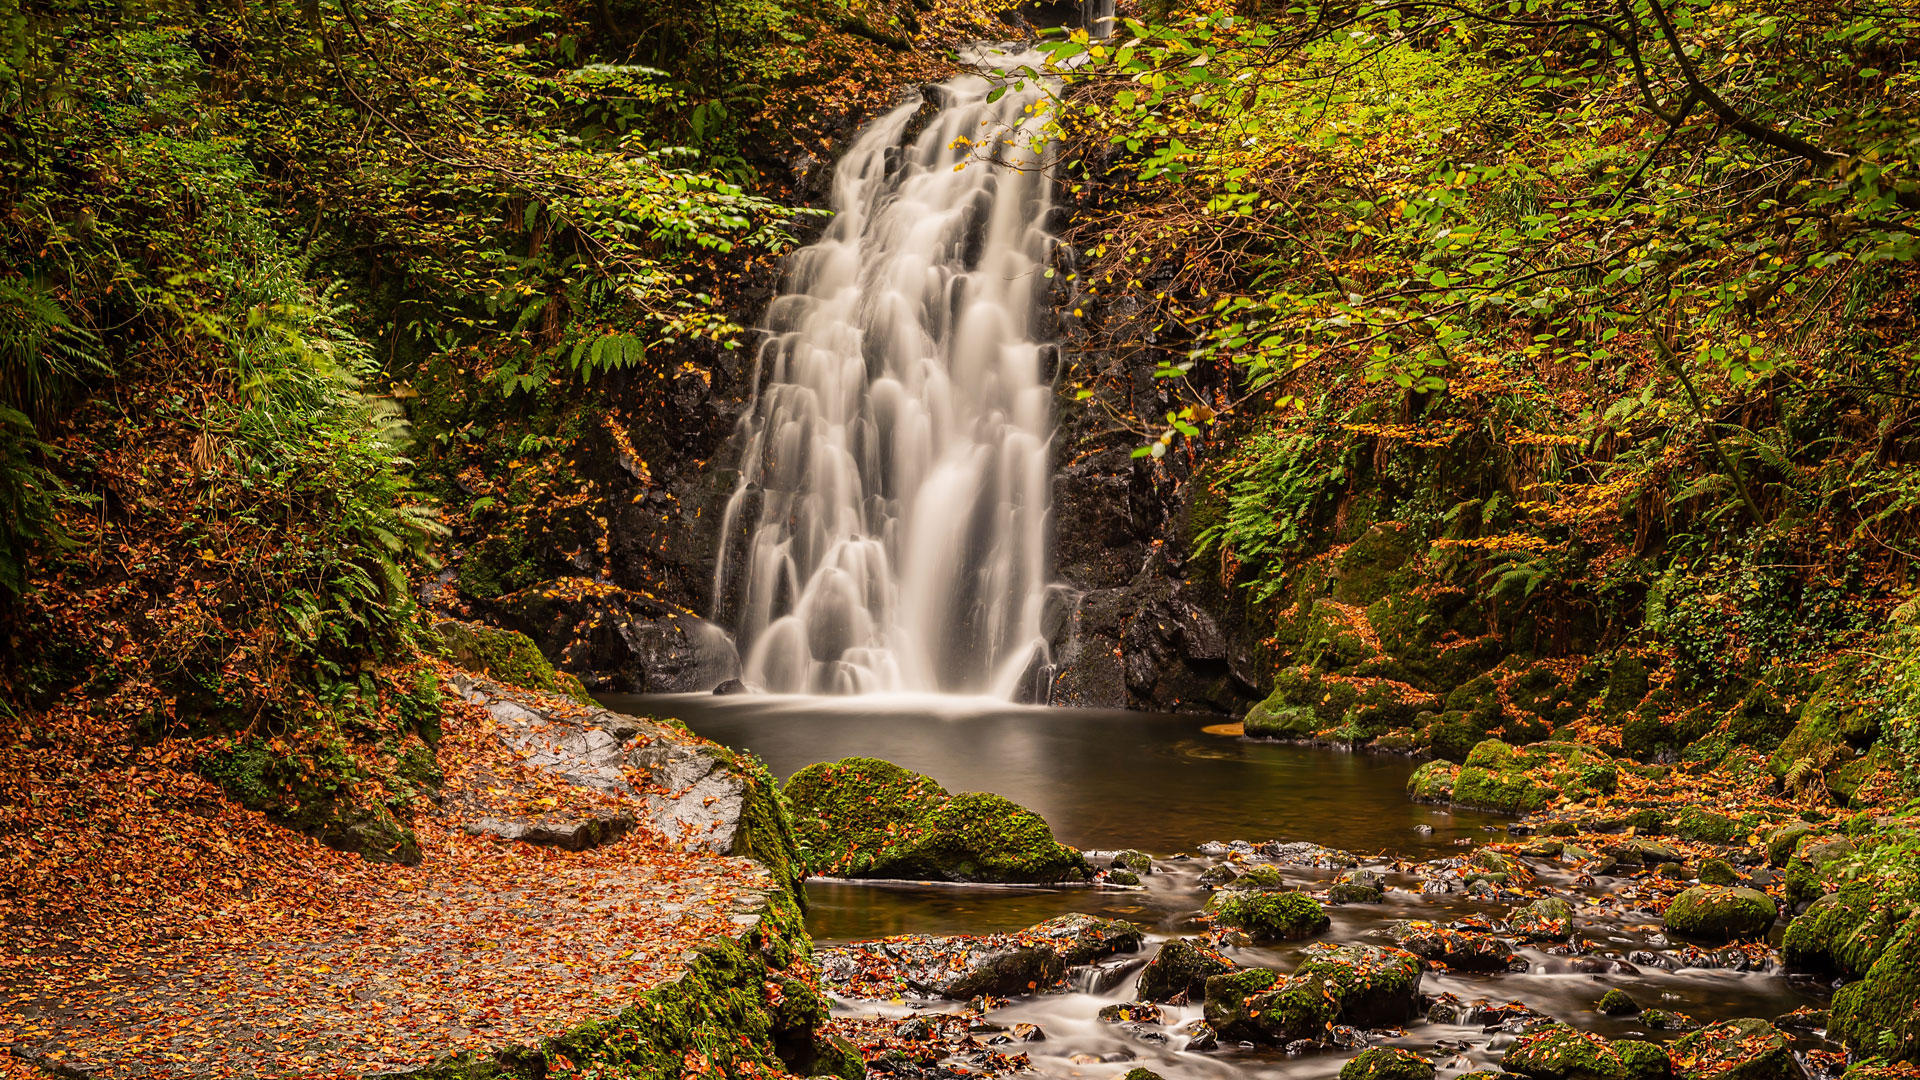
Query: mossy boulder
x,y
1844,932
1268,916
1387,1063
1644,1060
1182,966
1226,996
1546,919
1433,782
1465,950
1617,1003
1781,842
1721,913
1705,825
1512,779
1736,1050
1880,1015
1265,721
1357,985
1718,872
1562,1052
868,818
1357,887
506,656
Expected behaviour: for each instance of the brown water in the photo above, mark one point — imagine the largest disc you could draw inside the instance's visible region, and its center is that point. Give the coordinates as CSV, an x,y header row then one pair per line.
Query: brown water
x,y
1165,785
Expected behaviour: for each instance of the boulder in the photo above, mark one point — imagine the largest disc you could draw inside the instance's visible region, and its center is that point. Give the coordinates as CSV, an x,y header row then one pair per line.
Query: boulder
x,y
1082,939
1354,985
1387,1063
1843,933
1433,782
1880,1015
1562,1052
1736,1050
1718,872
1617,1003
1721,913
1182,966
1268,916
1226,997
507,656
868,818
1357,887
1644,1060
1546,919
1467,950
964,966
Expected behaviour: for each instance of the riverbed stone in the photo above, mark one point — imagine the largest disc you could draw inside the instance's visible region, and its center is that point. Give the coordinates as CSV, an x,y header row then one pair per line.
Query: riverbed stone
x,y
1737,1050
1721,913
1843,932
1617,1002
1433,782
1181,967
1268,916
1226,997
867,818
1546,919
1362,986
1467,950
1387,1063
1880,1014
1563,1052
1644,1060
1082,939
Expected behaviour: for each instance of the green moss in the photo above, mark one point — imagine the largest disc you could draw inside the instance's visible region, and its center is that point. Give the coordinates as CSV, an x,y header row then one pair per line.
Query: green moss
x,y
1227,996
1721,913
1509,792
1644,1060
863,817
1182,966
1736,1050
1697,824
1617,1003
1560,1052
1266,721
1718,872
507,656
1843,933
1433,782
1269,916
1387,1063
1879,1016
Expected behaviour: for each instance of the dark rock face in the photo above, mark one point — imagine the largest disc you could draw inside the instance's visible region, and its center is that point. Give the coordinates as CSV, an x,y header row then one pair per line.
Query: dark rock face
x,y
962,966
621,640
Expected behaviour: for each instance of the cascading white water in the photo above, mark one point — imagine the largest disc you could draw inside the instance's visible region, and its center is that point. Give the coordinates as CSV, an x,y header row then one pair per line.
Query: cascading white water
x,y
894,478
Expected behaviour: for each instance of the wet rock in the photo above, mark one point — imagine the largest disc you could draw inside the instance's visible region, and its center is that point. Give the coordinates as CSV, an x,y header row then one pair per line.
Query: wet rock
x,y
957,967
1644,1060
1467,950
1721,912
1301,853
1782,841
1718,872
1642,852
1137,861
624,640
1141,1074
1201,1038
1433,782
1082,939
1880,1014
1267,878
1181,968
1357,887
1543,848
1561,1052
1122,877
1213,847
1668,1020
1842,933
730,686
868,818
1215,876
1226,997
1029,1033
1617,1003
1737,1050
1546,919
1387,1063
1268,916
1131,1012
1354,985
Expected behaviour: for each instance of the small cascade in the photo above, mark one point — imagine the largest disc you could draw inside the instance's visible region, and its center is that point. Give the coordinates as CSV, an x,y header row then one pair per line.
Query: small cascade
x,y
889,527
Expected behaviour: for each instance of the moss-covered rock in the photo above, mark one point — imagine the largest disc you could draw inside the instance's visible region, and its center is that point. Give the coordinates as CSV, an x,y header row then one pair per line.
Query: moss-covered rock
x,y
1226,997
1082,939
1268,916
506,656
1644,1060
1182,966
1517,780
1387,1063
1782,841
1433,782
1467,950
1718,872
1721,913
1843,933
1879,1016
1617,1003
1695,823
1561,1052
1357,887
1546,919
1736,1050
1267,721
863,817
1358,985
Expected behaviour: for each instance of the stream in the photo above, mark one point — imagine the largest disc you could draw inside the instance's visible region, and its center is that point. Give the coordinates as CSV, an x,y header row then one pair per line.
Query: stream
x,y
1167,785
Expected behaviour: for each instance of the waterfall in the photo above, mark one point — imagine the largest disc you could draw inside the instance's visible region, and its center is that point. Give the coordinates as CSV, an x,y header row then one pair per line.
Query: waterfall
x,y
889,527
